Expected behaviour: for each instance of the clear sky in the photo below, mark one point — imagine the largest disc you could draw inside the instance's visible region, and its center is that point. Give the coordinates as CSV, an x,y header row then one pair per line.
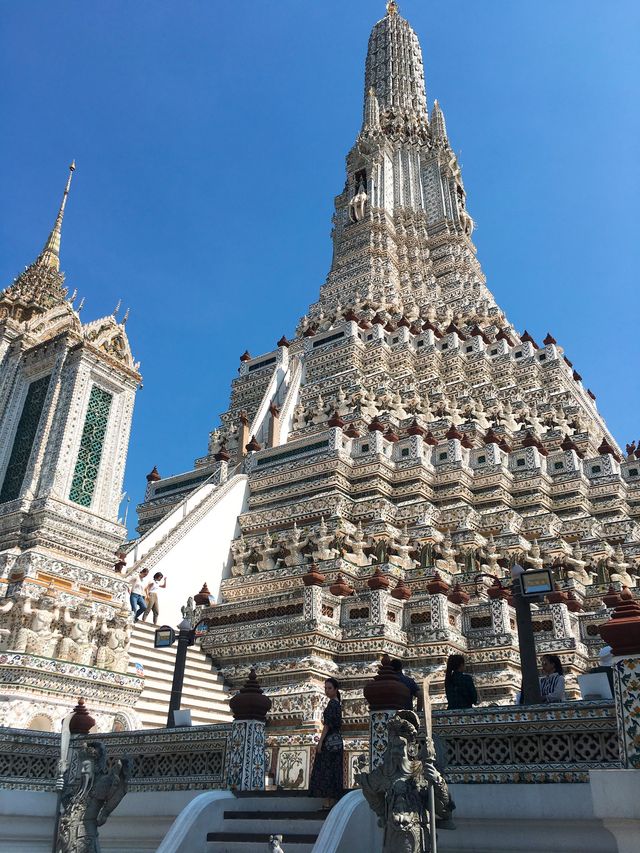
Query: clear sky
x,y
210,139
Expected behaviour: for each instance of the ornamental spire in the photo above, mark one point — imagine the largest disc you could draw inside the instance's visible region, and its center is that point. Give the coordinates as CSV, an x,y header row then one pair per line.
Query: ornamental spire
x,y
438,126
40,286
394,70
371,112
50,255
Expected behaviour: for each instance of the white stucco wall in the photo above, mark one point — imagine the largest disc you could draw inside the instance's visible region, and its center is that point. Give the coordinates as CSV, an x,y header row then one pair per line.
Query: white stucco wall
x,y
202,555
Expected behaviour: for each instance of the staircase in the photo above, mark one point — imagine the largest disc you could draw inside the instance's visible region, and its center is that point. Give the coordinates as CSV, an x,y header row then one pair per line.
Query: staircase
x,y
203,691
252,818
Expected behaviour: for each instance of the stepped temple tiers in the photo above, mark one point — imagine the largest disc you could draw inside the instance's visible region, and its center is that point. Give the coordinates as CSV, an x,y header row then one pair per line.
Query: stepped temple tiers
x,y
67,390
405,439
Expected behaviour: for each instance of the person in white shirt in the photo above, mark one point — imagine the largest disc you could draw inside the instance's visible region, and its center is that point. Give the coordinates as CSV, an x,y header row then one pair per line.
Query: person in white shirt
x,y
552,682
152,596
136,595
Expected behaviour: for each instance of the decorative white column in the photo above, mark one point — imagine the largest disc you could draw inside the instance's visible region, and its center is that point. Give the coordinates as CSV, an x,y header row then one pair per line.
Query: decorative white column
x,y
247,767
385,694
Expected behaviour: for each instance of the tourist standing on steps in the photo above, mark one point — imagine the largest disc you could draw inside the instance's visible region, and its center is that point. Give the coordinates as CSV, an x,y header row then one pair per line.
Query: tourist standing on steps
x,y
458,685
552,682
136,597
152,596
327,774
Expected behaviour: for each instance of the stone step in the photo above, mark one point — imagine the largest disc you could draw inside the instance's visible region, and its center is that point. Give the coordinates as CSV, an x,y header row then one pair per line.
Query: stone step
x,y
149,660
203,692
299,841
154,695
288,814
163,659
162,674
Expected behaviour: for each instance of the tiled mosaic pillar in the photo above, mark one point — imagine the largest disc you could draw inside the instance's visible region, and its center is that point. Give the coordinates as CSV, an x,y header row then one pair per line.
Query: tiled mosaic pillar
x,y
378,721
626,685
385,694
247,755
247,758
622,633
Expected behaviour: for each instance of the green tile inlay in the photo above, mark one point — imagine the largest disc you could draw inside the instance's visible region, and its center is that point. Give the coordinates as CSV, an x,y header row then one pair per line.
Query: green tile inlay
x,y
91,443
25,436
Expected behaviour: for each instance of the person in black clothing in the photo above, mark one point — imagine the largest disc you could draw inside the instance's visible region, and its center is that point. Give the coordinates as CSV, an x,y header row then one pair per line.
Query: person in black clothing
x,y
326,776
396,666
458,685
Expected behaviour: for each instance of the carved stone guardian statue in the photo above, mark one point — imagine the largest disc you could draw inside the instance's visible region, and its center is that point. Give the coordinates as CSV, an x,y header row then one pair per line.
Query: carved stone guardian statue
x,y
89,799
398,789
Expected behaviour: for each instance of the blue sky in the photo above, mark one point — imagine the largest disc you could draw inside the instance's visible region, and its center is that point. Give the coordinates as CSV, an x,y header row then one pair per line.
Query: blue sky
x,y
210,140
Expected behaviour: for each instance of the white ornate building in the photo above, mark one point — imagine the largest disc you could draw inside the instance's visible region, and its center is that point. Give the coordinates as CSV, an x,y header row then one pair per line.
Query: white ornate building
x,y
67,391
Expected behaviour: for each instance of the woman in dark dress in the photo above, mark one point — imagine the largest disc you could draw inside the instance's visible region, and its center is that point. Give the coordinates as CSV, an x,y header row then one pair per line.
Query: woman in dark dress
x,y
458,685
327,775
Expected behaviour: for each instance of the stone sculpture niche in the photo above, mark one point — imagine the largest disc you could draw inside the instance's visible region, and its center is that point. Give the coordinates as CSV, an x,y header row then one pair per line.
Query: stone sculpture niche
x,y
398,789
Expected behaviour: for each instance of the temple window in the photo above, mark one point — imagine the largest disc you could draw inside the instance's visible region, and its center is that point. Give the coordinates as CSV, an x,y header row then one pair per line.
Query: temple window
x,y
85,474
23,442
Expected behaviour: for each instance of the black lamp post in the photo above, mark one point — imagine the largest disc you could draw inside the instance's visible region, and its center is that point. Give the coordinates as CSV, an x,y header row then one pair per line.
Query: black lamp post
x,y
526,587
526,641
166,636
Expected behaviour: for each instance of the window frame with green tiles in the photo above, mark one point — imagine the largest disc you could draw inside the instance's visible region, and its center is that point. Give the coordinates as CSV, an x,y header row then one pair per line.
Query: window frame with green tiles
x,y
24,438
94,431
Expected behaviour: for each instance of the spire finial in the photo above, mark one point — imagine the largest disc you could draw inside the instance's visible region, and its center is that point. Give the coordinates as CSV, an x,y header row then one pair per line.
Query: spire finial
x,y
392,7
50,255
117,308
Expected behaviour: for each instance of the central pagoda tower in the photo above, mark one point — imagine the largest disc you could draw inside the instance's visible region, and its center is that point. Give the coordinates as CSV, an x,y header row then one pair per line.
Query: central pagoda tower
x,y
402,234
407,439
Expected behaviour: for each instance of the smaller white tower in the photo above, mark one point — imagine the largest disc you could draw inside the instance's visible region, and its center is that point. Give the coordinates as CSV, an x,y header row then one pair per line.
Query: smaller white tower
x,y
67,391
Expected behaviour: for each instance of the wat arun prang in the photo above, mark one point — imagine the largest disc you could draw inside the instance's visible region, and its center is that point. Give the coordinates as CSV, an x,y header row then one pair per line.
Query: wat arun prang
x,y
413,439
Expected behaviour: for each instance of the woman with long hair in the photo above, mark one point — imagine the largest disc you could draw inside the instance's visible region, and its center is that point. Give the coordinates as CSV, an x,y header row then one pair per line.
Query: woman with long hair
x,y
458,685
326,776
552,681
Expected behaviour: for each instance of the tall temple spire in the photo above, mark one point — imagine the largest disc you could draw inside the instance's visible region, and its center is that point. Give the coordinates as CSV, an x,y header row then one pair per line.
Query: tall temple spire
x,y
50,255
41,285
394,68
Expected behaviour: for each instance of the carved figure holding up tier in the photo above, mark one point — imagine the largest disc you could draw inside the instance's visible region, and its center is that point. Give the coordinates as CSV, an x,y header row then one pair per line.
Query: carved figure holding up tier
x,y
402,550
507,417
114,654
89,800
77,646
241,554
354,548
447,563
299,416
398,789
319,415
342,405
324,549
5,633
477,414
578,571
269,551
619,569
295,542
39,637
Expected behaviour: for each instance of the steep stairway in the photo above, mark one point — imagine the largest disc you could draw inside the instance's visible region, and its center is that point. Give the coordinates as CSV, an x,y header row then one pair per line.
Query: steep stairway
x,y
252,818
203,691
